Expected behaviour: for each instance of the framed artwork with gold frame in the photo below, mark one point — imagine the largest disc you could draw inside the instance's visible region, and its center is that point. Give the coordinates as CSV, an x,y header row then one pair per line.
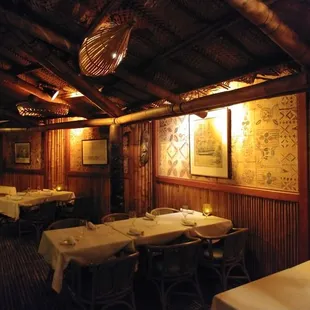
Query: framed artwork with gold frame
x,y
209,144
95,152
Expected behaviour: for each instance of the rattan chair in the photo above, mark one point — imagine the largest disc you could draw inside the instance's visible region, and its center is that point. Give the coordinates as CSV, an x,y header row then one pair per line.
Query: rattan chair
x,y
38,217
161,211
66,223
225,253
105,285
114,217
78,207
173,264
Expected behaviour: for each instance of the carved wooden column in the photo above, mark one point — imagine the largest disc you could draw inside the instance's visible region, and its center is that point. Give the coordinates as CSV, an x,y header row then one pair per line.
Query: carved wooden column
x,y
116,169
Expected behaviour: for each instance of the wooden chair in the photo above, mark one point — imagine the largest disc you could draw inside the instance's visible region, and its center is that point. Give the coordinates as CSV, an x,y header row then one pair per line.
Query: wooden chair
x,y
226,254
160,211
114,217
38,217
78,207
66,223
170,265
106,285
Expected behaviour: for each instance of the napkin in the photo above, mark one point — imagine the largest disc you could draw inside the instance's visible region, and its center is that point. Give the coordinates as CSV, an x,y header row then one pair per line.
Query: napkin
x,y
189,211
70,240
46,190
150,216
135,231
188,222
91,226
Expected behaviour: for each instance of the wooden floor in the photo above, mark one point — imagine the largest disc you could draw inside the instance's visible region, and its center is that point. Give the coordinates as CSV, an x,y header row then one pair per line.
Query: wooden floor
x,y
23,285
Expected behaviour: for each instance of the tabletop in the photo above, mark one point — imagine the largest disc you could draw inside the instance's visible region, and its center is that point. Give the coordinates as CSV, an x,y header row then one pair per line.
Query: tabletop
x,y
285,290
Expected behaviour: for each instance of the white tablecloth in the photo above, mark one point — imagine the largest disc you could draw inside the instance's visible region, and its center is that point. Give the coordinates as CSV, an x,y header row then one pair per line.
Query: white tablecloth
x,y
285,290
169,226
10,190
9,206
94,247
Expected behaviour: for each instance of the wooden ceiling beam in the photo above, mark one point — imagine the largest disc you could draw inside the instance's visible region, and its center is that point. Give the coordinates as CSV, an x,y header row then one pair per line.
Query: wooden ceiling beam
x,y
50,61
268,21
23,24
279,87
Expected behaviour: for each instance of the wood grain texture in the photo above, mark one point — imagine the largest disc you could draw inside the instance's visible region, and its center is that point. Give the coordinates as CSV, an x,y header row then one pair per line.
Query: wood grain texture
x,y
273,225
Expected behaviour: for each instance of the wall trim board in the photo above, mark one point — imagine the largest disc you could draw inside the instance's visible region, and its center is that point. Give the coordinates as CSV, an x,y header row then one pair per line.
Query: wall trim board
x,y
284,196
24,171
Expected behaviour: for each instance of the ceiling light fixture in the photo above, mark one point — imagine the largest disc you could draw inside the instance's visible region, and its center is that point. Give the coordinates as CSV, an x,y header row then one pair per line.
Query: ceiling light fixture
x,y
102,52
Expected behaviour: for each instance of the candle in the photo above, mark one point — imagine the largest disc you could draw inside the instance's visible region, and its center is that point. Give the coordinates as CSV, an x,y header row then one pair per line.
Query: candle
x,y
206,209
58,188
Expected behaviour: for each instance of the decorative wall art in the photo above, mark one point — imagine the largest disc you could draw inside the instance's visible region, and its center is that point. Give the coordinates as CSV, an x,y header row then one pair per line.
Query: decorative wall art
x,y
22,153
94,152
208,144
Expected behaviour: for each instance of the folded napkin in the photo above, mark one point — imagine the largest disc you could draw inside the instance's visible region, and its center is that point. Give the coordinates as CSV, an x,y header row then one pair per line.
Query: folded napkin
x,y
91,226
134,231
69,241
189,211
150,216
188,222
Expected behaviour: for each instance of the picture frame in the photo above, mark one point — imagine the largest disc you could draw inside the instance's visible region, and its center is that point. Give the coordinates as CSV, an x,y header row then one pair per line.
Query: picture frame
x,y
95,152
22,152
209,144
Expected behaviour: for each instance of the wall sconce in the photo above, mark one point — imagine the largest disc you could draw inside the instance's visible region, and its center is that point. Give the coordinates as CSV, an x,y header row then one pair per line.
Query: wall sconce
x,y
202,114
207,209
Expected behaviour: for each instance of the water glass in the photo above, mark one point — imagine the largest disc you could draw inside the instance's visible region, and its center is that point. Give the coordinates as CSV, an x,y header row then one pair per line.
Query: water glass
x,y
185,211
82,228
133,215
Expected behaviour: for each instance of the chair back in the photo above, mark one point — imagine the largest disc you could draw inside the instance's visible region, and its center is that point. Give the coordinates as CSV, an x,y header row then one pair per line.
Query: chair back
x,y
114,217
234,244
82,207
174,260
43,213
161,211
65,223
110,279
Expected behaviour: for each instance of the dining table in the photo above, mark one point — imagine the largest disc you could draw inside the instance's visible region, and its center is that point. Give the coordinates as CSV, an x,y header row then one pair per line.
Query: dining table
x,y
285,290
10,204
105,240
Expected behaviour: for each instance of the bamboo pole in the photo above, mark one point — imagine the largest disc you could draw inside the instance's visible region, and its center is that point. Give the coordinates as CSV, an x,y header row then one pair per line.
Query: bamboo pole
x,y
283,86
267,20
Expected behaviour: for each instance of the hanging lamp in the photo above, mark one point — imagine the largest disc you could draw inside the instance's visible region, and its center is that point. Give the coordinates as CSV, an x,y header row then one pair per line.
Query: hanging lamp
x,y
102,52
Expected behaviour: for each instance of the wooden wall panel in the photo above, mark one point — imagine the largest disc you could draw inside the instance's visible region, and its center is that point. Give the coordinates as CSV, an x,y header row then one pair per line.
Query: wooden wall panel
x,y
97,187
273,225
22,180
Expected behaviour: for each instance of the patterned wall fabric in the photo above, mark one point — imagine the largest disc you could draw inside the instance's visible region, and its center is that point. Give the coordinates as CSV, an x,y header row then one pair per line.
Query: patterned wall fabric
x,y
263,145
36,147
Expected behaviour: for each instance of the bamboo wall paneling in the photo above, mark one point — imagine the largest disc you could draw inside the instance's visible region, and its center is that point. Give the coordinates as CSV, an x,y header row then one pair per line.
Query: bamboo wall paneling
x,y
116,169
22,181
273,225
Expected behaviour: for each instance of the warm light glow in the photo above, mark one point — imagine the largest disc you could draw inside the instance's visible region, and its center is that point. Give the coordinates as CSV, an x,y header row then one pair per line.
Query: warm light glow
x,y
55,95
207,209
114,55
77,132
58,188
74,95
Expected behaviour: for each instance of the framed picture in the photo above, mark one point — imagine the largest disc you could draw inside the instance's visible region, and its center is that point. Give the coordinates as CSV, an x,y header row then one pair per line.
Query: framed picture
x,y
208,144
22,152
95,152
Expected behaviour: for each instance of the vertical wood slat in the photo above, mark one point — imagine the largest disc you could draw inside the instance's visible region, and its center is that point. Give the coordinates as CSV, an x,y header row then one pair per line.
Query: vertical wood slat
x,y
273,225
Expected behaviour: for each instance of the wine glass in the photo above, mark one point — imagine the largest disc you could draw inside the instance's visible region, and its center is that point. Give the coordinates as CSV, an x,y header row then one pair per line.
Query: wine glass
x,y
185,211
133,215
82,228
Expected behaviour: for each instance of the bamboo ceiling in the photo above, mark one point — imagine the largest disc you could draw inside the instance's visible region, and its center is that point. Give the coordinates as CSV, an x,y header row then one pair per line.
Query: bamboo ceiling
x,y
179,45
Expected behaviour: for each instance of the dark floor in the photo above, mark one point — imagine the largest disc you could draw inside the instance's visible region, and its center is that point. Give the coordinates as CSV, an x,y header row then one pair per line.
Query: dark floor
x,y
23,282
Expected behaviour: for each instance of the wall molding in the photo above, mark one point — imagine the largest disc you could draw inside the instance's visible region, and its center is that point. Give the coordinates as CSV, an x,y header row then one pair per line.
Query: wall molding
x,y
87,174
235,189
24,171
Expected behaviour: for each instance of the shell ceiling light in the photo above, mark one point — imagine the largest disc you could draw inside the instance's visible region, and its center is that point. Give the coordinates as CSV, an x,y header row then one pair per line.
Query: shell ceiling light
x,y
102,52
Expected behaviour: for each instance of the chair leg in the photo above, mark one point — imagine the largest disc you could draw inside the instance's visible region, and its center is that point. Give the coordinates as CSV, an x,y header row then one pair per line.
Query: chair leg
x,y
243,267
224,277
133,301
197,286
163,295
